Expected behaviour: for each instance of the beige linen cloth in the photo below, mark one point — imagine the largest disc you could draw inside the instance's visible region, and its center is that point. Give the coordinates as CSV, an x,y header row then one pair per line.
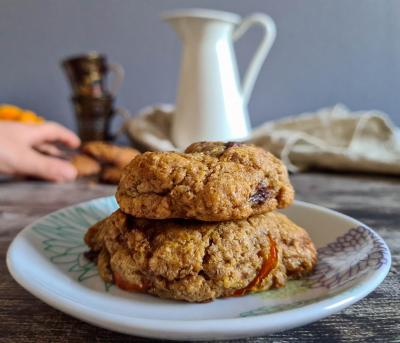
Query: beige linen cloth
x,y
331,138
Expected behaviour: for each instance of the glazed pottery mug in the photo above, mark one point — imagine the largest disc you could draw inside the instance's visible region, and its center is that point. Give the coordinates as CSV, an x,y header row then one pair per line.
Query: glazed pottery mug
x,y
94,117
87,75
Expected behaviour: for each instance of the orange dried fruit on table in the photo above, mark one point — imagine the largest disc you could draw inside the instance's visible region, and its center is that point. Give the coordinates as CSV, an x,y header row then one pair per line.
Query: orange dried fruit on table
x,y
9,112
30,117
15,113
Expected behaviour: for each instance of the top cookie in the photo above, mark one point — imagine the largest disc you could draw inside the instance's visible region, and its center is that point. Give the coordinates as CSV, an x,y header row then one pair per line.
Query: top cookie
x,y
211,181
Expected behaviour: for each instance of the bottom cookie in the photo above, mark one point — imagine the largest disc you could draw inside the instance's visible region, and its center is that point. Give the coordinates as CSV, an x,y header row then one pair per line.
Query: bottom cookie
x,y
198,261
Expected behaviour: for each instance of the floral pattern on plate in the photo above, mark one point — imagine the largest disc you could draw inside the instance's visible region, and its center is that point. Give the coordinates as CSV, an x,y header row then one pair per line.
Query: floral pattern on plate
x,y
47,259
351,255
62,237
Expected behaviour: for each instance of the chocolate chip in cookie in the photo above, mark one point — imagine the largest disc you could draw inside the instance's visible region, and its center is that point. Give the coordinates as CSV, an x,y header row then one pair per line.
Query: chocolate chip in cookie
x,y
262,194
232,144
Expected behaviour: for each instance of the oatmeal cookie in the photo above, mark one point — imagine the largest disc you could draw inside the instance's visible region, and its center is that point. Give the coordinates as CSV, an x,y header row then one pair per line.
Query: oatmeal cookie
x,y
85,165
211,181
199,261
111,175
109,153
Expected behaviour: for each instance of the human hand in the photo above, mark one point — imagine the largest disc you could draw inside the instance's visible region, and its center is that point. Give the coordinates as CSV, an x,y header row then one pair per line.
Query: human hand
x,y
19,155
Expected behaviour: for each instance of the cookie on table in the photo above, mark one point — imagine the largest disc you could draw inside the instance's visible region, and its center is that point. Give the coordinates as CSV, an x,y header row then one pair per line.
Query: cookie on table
x,y
211,181
199,261
111,174
85,165
109,153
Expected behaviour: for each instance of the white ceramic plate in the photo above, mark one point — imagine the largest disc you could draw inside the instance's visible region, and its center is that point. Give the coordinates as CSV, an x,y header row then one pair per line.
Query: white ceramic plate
x,y
47,259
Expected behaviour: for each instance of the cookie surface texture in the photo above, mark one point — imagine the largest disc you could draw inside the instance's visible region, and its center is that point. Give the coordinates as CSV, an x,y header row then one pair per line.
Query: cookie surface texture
x,y
210,181
199,261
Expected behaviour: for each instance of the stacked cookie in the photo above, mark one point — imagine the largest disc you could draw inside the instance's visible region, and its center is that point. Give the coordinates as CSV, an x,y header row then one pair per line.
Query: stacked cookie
x,y
201,224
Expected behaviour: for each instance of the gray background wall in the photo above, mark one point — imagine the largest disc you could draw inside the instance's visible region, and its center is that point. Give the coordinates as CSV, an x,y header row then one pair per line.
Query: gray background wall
x,y
326,52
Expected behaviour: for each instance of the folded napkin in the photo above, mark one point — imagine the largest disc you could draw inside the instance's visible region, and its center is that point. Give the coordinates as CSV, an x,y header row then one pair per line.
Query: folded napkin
x,y
331,138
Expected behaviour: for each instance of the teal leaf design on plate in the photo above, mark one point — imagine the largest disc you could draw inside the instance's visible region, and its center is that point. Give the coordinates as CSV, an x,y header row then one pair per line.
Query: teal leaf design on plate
x,y
62,234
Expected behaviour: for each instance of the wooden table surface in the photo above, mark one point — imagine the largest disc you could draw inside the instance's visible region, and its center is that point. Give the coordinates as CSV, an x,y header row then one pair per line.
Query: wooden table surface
x,y
374,200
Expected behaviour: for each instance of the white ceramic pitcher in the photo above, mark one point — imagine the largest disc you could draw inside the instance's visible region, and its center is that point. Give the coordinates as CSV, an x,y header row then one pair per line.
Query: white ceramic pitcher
x,y
211,102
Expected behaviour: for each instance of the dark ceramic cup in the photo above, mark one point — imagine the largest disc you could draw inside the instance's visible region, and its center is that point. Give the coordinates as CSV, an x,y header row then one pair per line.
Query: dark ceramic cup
x,y
94,116
87,74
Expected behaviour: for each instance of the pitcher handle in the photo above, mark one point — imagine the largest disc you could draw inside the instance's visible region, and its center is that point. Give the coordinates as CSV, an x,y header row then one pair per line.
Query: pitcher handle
x,y
119,75
267,23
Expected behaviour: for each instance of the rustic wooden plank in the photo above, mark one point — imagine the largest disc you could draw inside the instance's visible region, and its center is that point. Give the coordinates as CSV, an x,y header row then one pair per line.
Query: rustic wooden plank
x,y
23,202
373,200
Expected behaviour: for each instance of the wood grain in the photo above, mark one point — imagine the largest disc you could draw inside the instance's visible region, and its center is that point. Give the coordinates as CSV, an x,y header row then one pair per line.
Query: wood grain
x,y
373,200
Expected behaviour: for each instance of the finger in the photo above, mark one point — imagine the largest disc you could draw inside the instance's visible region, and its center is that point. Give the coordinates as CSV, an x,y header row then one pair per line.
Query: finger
x,y
52,132
48,168
49,149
